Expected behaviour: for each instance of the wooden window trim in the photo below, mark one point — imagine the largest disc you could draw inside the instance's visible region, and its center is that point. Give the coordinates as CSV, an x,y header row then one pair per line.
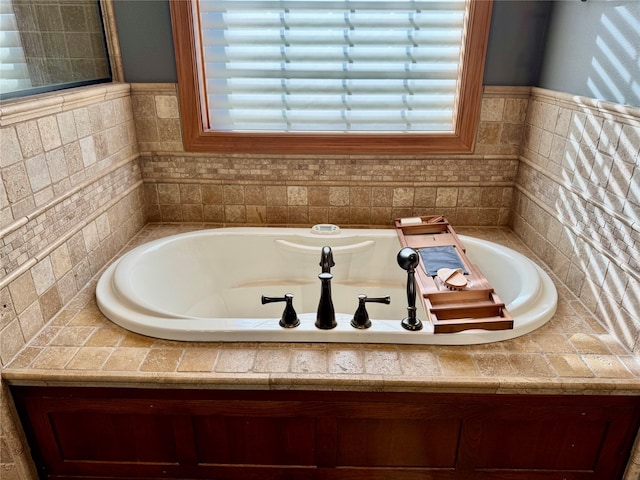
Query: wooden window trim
x,y
197,139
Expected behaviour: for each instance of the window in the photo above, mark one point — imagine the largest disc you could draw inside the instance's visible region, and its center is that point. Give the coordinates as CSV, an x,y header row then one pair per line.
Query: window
x,y
46,46
344,76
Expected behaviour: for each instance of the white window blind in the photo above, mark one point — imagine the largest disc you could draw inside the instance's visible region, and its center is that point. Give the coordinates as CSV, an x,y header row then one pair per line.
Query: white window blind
x,y
14,74
331,66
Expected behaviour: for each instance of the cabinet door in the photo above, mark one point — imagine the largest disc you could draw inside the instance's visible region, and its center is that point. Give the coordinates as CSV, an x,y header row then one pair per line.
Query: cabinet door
x,y
97,437
168,438
529,442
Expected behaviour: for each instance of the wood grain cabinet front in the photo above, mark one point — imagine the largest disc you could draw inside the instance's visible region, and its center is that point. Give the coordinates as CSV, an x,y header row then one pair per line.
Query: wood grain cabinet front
x,y
110,433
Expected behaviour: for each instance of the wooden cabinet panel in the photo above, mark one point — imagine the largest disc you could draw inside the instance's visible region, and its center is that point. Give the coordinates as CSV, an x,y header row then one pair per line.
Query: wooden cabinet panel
x,y
551,444
203,434
101,437
581,439
251,440
397,442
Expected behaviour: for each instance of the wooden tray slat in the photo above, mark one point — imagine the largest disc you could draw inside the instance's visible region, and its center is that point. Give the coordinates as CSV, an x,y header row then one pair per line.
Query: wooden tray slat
x,y
475,311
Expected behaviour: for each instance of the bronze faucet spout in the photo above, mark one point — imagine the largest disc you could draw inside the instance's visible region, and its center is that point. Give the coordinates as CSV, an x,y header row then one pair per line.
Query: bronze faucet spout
x,y
326,259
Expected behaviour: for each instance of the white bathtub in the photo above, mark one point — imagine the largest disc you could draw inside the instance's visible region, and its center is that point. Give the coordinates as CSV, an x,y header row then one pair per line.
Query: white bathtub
x,y
207,286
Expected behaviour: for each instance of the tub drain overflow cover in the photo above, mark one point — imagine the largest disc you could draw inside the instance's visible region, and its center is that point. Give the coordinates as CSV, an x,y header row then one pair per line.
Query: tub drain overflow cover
x,y
325,229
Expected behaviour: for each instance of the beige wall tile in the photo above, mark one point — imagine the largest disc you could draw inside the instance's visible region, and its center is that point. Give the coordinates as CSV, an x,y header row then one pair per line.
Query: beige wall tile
x,y
49,133
318,196
11,152
73,157
57,165
298,215
297,196
515,110
88,151
23,292
338,196
29,137
190,194
492,109
446,197
233,194
91,238
168,193
403,197
43,276
7,310
276,195
167,106
213,213
81,118
16,181
192,213
235,214
211,194
31,321
489,133
67,127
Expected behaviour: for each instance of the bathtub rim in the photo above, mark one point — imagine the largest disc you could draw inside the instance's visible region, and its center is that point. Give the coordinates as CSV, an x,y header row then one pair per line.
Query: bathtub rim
x,y
242,330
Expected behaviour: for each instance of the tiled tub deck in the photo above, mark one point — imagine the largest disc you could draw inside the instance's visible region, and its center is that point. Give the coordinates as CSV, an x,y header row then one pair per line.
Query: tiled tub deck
x,y
571,354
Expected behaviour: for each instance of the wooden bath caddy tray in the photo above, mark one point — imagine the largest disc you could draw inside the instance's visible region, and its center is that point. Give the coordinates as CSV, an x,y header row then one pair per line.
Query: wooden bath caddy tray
x,y
475,306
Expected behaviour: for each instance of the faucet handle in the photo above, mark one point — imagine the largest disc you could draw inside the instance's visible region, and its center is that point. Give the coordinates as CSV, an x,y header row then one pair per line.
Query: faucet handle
x,y
289,316
361,317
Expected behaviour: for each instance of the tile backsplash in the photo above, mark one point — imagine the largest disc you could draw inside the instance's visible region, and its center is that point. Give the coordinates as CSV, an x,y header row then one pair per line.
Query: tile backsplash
x,y
350,190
